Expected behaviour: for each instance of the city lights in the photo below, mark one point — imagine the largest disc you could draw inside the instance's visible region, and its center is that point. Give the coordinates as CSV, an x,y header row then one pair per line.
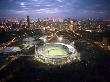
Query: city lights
x,y
54,40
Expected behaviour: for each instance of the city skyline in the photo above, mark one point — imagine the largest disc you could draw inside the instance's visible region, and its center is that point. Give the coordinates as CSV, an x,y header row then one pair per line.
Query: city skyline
x,y
55,8
54,41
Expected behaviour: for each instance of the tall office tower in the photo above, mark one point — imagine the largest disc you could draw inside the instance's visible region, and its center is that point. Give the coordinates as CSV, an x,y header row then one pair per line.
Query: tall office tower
x,y
28,22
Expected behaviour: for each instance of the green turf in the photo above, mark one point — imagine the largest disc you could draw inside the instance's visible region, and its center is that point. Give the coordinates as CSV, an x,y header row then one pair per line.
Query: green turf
x,y
56,51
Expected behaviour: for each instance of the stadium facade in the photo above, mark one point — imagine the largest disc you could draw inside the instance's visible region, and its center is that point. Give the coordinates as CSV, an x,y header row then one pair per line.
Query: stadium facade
x,y
56,53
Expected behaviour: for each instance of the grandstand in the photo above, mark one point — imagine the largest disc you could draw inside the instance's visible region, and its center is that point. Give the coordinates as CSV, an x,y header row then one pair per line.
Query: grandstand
x,y
56,53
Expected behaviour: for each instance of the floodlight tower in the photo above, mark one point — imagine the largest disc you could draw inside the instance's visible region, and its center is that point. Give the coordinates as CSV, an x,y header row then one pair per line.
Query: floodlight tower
x,y
35,48
60,38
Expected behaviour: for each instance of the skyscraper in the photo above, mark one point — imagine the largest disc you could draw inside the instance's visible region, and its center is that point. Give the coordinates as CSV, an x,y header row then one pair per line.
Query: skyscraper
x,y
28,22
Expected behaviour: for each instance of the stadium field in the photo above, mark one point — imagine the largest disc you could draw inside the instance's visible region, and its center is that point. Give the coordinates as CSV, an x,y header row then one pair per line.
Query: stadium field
x,y
56,51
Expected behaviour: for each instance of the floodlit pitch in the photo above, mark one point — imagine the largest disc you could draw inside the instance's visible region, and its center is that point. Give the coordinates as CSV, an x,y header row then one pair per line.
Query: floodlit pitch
x,y
55,51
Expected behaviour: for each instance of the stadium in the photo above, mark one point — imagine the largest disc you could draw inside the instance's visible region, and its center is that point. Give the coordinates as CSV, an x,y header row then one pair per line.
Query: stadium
x,y
56,53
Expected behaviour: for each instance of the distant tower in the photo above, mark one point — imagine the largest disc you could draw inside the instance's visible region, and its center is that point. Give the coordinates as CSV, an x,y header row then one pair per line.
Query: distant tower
x,y
28,22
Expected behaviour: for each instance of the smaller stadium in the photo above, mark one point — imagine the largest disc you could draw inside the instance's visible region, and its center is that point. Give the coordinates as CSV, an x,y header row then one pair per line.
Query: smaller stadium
x,y
56,53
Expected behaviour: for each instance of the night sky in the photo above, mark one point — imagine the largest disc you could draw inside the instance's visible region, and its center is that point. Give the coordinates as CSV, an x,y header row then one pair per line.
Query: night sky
x,y
55,8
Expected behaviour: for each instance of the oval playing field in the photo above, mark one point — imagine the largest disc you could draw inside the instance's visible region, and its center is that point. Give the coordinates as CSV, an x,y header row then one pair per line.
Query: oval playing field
x,y
56,51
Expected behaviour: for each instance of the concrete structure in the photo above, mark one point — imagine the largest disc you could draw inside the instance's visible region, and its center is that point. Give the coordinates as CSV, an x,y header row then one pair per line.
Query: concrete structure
x,y
43,53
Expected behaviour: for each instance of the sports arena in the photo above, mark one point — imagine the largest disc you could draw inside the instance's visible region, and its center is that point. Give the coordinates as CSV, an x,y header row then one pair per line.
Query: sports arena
x,y
56,53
